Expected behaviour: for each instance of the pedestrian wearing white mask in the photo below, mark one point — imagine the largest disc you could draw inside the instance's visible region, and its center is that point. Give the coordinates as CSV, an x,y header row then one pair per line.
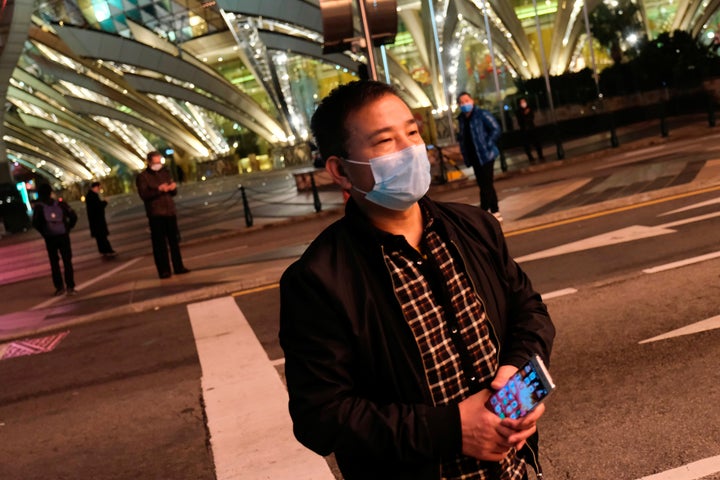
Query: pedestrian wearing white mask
x,y
401,318
157,189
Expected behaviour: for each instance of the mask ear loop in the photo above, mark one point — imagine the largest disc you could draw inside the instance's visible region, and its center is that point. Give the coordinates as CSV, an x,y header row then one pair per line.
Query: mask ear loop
x,y
356,163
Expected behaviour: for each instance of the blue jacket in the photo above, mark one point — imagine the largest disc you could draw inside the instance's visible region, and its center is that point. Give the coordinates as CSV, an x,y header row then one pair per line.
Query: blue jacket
x,y
485,132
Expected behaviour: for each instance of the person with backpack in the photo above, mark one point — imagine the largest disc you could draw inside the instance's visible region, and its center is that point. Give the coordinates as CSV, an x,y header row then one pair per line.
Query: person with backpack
x,y
54,219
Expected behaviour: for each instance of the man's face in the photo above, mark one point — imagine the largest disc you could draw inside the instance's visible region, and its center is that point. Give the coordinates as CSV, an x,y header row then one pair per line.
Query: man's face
x,y
466,100
155,160
96,189
523,104
381,127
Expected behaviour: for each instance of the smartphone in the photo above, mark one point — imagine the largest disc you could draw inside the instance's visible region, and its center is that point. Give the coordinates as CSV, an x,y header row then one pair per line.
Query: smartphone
x,y
525,390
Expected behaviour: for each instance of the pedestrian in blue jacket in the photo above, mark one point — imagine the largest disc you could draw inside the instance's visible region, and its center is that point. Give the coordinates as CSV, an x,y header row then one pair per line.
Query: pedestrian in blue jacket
x,y
478,135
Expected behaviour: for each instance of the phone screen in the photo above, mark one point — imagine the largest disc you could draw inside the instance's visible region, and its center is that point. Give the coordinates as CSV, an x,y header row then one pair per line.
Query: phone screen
x,y
523,392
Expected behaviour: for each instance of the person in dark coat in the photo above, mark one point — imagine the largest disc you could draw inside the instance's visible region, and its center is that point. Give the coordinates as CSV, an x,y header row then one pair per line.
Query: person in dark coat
x,y
96,219
157,189
526,122
54,219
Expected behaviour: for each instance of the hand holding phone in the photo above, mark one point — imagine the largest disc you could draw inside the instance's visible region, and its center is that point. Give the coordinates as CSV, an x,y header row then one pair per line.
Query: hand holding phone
x,y
524,391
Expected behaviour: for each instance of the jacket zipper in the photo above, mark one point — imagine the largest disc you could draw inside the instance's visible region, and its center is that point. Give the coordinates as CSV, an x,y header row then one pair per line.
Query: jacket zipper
x,y
536,464
428,393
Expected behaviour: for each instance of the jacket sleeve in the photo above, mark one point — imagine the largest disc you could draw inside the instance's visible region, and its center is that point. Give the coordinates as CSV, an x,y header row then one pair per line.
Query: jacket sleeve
x,y
146,191
38,219
71,217
530,329
328,411
492,127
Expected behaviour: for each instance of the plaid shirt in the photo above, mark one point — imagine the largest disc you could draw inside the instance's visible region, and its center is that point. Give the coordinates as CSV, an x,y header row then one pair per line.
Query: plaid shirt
x,y
450,326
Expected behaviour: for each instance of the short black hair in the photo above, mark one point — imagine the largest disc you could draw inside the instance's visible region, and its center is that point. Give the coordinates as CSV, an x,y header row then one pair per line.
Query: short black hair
x,y
152,154
44,190
463,93
94,184
328,121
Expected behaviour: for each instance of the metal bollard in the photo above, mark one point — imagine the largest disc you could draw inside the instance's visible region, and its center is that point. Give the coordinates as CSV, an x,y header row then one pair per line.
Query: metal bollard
x,y
558,144
503,161
441,161
246,207
663,122
711,113
316,196
614,143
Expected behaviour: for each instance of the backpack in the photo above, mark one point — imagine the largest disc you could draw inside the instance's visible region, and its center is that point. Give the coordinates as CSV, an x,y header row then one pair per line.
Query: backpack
x,y
54,219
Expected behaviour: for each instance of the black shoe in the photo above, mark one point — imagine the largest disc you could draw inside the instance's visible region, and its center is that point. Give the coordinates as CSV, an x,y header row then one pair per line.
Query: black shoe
x,y
165,275
110,254
58,292
182,270
71,292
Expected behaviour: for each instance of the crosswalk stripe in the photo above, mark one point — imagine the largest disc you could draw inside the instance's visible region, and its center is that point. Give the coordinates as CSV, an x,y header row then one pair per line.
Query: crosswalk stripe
x,y
711,323
691,471
245,400
682,263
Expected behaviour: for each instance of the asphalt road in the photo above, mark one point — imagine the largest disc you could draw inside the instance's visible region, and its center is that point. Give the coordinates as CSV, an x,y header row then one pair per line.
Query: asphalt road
x,y
121,398
116,400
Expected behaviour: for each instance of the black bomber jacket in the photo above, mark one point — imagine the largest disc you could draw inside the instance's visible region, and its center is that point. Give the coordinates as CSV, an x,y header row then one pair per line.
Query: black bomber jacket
x,y
355,378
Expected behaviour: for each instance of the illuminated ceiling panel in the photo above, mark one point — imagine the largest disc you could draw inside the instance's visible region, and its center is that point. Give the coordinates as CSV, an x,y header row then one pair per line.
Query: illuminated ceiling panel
x,y
127,71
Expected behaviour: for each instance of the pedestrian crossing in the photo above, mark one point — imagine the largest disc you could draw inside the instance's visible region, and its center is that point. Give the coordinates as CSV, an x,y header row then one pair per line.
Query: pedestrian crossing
x,y
246,401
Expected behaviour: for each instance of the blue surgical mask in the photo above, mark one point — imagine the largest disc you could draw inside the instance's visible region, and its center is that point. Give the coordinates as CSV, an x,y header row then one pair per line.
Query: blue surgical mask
x,y
466,107
401,178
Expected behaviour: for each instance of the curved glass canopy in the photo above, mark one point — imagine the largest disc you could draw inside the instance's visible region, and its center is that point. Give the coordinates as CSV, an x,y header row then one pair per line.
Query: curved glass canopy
x,y
98,83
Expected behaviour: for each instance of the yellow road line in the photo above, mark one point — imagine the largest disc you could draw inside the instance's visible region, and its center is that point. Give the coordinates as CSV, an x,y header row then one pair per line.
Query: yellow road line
x,y
255,290
610,212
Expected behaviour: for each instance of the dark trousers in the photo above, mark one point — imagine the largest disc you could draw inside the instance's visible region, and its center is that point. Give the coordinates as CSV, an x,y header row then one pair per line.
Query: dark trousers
x,y
530,138
59,246
103,244
164,233
484,178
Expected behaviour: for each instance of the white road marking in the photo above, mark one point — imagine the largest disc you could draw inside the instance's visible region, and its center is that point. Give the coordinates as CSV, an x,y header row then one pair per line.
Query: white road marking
x,y
685,221
623,235
629,157
245,400
682,263
691,471
125,265
712,201
702,326
558,293
627,234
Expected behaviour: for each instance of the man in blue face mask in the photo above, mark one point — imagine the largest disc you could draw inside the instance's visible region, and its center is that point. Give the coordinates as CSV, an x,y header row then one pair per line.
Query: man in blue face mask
x,y
478,134
401,318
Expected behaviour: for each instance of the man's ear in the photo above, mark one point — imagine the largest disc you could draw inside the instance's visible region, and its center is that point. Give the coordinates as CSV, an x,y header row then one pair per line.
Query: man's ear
x,y
334,167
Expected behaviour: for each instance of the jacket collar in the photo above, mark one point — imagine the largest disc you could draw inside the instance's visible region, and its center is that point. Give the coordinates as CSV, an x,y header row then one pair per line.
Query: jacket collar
x,y
362,226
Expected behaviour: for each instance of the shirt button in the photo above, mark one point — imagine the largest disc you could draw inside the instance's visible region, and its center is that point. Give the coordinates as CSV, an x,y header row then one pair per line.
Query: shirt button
x,y
473,379
419,262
